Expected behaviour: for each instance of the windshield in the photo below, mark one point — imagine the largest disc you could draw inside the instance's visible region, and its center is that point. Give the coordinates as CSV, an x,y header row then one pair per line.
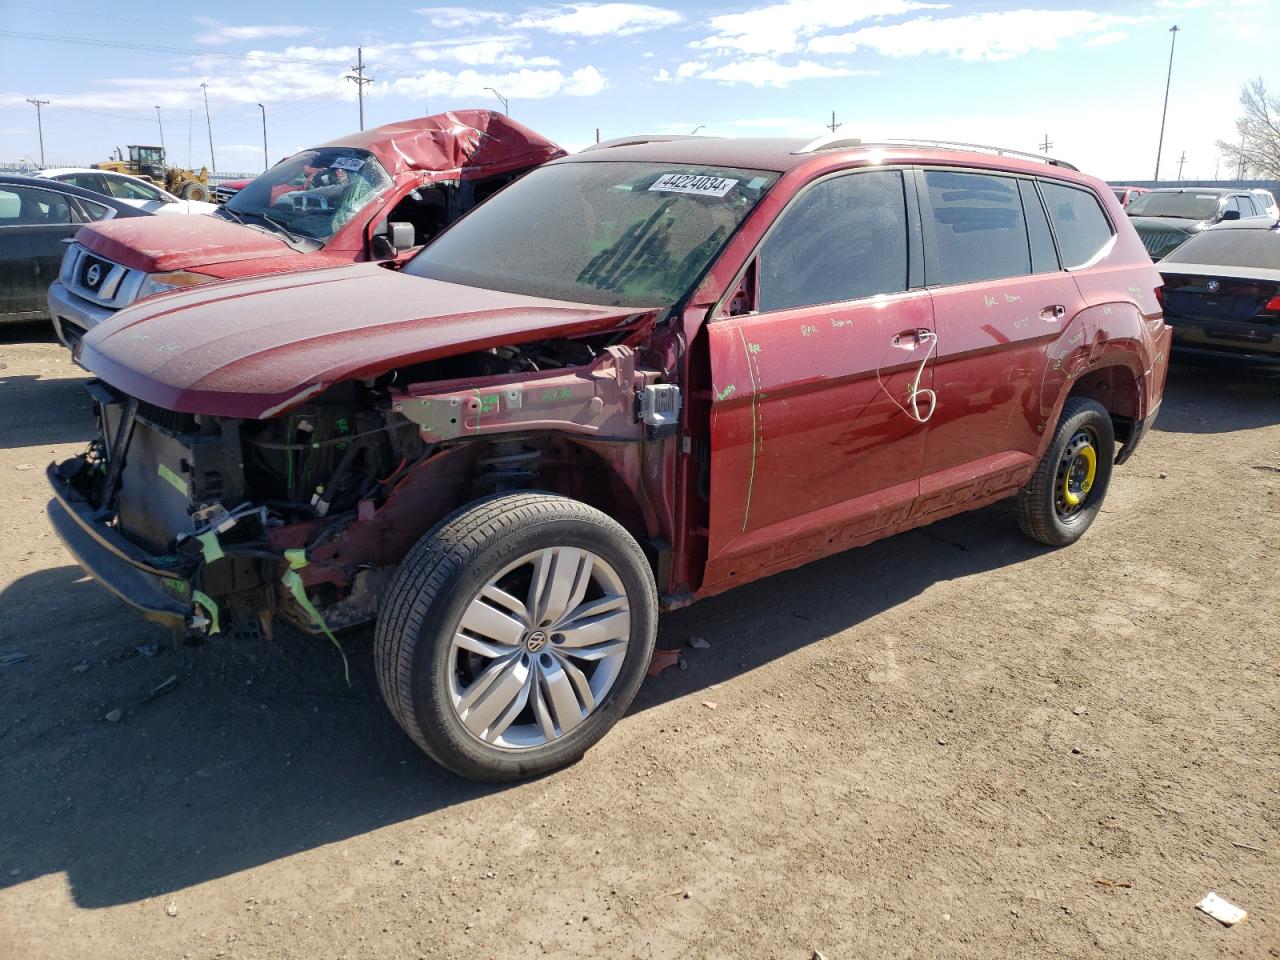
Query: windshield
x,y
1190,206
612,233
313,193
1119,194
1231,248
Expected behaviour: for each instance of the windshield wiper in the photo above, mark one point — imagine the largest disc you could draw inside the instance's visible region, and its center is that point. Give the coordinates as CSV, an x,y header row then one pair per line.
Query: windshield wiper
x,y
231,213
279,226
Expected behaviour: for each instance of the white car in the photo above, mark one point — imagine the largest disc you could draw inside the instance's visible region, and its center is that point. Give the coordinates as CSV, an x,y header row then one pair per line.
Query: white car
x,y
131,190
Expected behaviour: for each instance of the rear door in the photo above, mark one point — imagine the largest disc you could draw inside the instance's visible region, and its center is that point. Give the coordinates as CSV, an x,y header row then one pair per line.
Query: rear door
x,y
820,387
33,224
1001,302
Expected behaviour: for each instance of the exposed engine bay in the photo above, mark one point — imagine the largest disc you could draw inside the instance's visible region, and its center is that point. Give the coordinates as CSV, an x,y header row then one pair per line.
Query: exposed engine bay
x,y
306,513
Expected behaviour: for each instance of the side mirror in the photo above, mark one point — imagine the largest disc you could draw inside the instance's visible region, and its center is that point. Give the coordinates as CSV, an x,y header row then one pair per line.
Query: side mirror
x,y
1230,214
391,238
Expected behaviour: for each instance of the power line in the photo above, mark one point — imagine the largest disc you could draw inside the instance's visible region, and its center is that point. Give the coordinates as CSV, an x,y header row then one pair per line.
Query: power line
x,y
158,48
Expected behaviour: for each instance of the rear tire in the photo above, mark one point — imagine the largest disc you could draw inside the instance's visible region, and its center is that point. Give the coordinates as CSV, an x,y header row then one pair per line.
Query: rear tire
x,y
1064,495
515,633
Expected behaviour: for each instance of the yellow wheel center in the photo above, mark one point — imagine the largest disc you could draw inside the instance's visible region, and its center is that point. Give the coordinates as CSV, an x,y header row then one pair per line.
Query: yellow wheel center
x,y
1075,487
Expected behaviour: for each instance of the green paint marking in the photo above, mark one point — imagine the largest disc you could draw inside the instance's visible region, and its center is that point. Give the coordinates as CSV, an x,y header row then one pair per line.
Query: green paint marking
x,y
488,403
563,393
755,442
172,479
723,394
179,588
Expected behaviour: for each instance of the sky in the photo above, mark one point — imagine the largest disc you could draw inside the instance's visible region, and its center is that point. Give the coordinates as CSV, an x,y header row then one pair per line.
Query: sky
x,y
1088,75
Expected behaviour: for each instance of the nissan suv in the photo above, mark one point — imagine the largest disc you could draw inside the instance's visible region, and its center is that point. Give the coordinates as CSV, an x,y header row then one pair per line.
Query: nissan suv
x,y
638,376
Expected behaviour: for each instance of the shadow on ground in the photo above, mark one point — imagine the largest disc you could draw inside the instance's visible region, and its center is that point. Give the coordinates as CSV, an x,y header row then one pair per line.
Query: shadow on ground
x,y
260,751
1218,400
257,750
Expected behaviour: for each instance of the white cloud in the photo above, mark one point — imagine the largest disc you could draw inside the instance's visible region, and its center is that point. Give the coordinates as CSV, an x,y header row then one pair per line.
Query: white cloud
x,y
1106,39
224,33
780,27
585,82
479,53
599,19
450,18
766,72
524,84
982,36
691,69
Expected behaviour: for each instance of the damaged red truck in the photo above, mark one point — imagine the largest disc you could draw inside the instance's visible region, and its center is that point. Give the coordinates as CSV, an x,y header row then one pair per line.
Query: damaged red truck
x,y
638,376
377,195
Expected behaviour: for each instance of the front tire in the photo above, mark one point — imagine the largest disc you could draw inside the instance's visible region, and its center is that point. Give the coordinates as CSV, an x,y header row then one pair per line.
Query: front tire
x,y
1064,495
194,191
515,633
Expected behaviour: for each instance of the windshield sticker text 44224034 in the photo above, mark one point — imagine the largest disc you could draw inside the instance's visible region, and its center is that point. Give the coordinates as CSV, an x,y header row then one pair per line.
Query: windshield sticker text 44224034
x,y
702,186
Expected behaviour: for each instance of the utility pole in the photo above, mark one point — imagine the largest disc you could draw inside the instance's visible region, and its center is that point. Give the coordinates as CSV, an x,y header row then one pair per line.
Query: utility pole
x,y
1181,160
1047,145
506,104
360,80
265,162
213,164
39,123
597,134
1173,40
833,126
160,124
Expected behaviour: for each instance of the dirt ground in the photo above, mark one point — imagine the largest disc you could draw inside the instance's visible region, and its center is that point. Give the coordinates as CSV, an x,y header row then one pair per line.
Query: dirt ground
x,y
954,743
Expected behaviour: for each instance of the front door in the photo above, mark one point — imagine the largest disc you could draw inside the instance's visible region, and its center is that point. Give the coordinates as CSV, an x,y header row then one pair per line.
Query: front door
x,y
821,368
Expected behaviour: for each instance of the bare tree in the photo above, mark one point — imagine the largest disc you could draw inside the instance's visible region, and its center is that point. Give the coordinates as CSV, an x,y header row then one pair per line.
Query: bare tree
x,y
1257,153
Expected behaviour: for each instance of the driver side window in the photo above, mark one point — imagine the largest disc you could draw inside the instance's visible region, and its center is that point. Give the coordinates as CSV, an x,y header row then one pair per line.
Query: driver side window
x,y
131,190
844,239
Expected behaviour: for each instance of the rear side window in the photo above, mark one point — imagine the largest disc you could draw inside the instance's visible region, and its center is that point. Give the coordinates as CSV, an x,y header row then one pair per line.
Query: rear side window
x,y
26,207
1083,230
843,239
129,190
1246,208
85,181
979,229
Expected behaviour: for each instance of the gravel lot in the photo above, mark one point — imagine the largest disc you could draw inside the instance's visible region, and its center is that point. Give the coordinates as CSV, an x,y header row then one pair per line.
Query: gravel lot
x,y
954,743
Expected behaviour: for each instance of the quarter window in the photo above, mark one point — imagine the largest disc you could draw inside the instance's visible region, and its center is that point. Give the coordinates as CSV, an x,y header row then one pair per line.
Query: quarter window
x,y
843,239
978,227
1083,230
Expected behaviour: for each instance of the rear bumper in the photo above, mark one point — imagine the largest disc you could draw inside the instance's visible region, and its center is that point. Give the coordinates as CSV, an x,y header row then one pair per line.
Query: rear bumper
x,y
73,316
1237,342
155,586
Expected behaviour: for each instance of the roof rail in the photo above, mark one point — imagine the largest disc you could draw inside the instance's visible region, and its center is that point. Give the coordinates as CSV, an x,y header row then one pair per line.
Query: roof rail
x,y
835,142
643,138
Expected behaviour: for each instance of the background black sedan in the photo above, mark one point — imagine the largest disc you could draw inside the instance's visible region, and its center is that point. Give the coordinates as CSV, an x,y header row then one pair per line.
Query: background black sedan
x,y
1222,294
36,216
1167,216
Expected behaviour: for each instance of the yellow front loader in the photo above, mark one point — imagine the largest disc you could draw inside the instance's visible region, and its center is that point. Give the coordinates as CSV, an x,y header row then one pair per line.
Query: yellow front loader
x,y
148,163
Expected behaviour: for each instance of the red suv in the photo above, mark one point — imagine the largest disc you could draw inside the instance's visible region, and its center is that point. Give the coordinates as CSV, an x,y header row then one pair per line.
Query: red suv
x,y
638,376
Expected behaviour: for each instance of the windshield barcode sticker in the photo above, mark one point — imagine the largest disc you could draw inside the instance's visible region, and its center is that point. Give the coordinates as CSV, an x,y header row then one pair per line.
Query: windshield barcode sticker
x,y
347,163
693,183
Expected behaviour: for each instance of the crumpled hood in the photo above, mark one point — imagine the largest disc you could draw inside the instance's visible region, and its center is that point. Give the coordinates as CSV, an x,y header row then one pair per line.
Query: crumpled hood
x,y
256,347
160,244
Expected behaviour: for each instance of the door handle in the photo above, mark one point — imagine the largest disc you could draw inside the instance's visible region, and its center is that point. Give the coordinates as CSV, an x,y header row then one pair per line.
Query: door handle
x,y
1055,312
911,338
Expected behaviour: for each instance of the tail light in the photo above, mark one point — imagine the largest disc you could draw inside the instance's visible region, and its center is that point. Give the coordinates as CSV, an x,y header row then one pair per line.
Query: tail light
x,y
1160,296
1272,305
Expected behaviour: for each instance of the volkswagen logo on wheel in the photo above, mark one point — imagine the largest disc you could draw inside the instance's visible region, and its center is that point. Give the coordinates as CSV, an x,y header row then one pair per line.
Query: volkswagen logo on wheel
x,y
1213,286
93,275
536,641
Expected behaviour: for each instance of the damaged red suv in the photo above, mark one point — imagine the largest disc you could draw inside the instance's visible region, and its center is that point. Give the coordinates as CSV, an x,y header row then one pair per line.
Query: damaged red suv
x,y
638,376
